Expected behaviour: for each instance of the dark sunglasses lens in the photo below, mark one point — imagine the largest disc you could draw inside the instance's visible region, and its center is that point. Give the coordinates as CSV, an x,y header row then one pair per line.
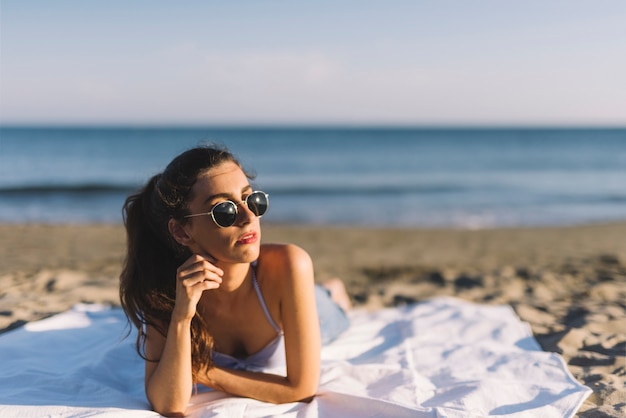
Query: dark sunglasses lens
x,y
225,214
257,203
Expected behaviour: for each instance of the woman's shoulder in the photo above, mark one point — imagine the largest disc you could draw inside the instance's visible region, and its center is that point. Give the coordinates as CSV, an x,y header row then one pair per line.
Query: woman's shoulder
x,y
284,261
288,255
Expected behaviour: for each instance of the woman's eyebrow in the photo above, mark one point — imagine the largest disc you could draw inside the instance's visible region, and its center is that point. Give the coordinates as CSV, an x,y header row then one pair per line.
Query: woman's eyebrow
x,y
216,196
226,195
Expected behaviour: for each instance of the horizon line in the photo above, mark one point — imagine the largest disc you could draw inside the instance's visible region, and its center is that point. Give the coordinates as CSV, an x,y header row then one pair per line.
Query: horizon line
x,y
312,126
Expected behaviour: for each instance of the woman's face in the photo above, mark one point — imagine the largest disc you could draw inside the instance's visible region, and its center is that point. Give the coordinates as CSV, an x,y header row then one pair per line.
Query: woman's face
x,y
239,243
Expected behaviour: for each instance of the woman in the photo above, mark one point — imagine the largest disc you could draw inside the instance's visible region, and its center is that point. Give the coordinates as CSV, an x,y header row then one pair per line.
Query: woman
x,y
212,305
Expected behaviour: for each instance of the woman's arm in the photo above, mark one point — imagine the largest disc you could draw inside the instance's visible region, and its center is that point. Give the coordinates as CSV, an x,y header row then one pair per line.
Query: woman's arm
x,y
292,270
169,380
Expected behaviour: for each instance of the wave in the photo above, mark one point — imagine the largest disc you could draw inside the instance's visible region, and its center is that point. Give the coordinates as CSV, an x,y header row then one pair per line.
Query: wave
x,y
352,189
349,190
287,190
615,199
85,188
608,198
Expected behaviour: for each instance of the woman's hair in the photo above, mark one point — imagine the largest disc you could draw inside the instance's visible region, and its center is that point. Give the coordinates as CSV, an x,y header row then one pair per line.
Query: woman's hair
x,y
148,279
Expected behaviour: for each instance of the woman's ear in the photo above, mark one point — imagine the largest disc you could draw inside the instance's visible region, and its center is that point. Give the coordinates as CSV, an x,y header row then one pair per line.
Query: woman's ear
x,y
178,232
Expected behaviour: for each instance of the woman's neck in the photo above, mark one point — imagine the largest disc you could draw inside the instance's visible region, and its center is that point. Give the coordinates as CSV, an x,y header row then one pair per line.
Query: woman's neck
x,y
237,277
233,293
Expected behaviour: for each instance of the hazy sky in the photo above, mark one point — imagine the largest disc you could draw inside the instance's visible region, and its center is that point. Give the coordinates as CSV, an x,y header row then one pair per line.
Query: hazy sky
x,y
330,62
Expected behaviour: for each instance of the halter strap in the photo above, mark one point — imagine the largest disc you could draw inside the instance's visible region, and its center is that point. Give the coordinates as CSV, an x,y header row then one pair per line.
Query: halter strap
x,y
260,296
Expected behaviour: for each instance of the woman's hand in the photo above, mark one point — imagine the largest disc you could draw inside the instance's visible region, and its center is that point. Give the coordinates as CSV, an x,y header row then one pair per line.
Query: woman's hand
x,y
193,277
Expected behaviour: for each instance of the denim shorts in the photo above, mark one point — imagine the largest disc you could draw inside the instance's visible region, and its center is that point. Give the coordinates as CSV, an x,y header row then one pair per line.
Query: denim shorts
x,y
333,319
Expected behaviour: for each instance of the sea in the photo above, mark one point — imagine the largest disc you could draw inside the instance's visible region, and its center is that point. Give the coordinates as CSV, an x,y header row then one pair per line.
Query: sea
x,y
468,178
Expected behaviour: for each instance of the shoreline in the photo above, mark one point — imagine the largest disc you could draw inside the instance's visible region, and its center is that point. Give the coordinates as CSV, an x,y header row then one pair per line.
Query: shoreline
x,y
568,283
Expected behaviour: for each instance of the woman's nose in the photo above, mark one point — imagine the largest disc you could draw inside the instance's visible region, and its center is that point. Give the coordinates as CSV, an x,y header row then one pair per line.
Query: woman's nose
x,y
244,213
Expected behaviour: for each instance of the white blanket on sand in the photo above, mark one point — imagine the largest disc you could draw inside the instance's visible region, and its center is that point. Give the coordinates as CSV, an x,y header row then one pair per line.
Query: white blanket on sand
x,y
439,358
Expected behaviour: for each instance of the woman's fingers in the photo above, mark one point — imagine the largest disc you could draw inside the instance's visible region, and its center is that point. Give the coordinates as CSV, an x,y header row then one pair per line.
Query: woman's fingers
x,y
198,262
209,284
197,270
193,277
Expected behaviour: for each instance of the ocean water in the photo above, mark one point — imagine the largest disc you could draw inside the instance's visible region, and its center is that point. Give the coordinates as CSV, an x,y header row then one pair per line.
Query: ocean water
x,y
402,177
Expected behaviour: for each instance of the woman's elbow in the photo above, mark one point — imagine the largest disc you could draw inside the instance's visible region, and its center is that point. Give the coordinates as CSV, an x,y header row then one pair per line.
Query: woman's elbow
x,y
301,393
168,412
168,401
306,396
168,408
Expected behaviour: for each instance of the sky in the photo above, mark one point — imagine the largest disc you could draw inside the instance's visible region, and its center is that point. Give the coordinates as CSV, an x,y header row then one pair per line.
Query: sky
x,y
353,62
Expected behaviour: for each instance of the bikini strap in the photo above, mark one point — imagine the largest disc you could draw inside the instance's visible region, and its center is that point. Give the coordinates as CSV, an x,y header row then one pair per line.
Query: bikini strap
x,y
260,296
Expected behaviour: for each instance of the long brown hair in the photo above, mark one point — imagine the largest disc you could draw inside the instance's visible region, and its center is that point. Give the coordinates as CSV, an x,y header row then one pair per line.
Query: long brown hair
x,y
148,279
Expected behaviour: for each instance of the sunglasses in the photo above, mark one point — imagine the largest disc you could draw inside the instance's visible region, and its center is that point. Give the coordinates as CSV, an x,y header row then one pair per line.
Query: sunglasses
x,y
224,214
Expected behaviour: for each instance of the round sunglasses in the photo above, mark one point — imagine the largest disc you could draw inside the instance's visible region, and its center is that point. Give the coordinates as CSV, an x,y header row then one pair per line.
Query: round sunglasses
x,y
224,214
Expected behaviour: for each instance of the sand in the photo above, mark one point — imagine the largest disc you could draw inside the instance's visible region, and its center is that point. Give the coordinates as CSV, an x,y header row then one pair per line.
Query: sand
x,y
568,283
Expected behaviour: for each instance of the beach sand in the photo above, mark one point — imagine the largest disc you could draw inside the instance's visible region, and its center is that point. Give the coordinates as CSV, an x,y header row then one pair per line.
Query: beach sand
x,y
568,283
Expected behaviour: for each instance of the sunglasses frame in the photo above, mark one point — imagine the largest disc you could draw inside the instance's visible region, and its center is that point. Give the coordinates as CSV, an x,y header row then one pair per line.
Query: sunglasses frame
x,y
236,205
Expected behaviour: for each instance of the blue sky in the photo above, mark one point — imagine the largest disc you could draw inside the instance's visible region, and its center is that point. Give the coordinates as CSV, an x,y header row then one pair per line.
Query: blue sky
x,y
343,62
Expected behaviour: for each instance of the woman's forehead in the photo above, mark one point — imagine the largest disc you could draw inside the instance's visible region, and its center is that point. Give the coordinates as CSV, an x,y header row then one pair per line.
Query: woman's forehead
x,y
224,176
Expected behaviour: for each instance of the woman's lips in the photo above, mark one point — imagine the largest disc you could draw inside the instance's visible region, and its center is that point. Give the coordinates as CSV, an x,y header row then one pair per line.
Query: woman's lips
x,y
248,238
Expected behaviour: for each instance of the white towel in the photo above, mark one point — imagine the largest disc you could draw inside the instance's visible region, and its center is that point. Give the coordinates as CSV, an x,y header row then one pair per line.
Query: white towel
x,y
439,358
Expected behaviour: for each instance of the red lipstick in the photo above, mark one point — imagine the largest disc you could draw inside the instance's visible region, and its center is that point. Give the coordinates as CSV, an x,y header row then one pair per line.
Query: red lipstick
x,y
248,238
